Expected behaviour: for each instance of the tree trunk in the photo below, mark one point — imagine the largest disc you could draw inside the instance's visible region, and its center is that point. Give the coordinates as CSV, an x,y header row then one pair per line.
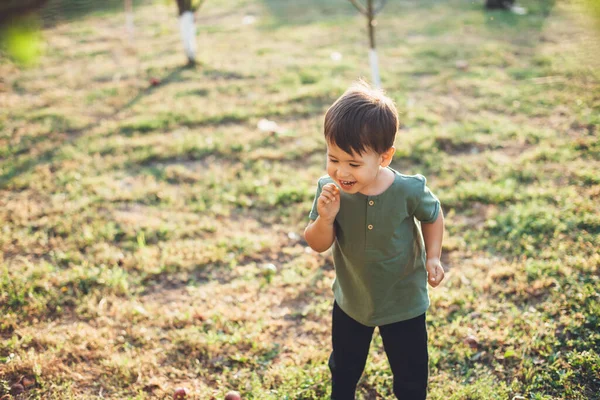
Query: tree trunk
x,y
373,59
187,26
184,5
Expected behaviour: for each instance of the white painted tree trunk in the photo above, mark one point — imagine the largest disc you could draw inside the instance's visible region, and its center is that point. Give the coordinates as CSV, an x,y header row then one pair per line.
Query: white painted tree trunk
x,y
374,61
188,34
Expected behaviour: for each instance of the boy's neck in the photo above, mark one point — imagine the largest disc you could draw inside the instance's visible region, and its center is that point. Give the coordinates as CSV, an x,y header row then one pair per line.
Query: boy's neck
x,y
384,179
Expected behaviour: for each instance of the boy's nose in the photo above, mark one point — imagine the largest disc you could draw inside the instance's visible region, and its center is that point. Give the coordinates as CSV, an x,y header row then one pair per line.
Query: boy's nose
x,y
344,173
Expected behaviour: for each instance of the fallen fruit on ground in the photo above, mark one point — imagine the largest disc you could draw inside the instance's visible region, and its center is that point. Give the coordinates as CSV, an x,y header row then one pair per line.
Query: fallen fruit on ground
x,y
233,395
16,389
180,393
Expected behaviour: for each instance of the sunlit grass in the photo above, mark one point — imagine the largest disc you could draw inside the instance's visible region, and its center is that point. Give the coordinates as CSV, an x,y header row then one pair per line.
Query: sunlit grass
x,y
151,232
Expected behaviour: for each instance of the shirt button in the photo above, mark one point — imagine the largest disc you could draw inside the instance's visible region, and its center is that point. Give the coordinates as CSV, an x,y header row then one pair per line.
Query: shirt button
x,y
371,202
370,226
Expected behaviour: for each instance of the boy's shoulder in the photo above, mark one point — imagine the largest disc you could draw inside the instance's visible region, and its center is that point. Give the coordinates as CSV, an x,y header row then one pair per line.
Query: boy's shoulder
x,y
324,180
408,182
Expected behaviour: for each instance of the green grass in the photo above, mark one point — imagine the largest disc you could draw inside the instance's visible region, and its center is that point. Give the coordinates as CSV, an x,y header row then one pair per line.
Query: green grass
x,y
141,224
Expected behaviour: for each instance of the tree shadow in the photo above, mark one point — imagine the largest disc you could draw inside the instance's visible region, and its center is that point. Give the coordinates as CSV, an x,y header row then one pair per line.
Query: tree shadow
x,y
16,169
156,83
300,12
57,11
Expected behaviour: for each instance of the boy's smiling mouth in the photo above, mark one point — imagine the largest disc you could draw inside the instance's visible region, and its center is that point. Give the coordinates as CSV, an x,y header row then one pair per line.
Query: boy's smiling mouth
x,y
346,184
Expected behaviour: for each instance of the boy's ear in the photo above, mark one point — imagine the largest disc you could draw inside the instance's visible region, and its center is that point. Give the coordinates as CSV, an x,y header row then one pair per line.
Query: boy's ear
x,y
386,156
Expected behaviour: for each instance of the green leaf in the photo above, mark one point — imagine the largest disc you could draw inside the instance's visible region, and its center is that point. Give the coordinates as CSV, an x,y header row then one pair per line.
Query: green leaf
x,y
509,353
22,40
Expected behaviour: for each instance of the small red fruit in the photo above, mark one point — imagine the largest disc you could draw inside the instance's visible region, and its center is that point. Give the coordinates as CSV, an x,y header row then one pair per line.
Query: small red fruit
x,y
471,341
233,395
180,394
16,389
154,81
27,381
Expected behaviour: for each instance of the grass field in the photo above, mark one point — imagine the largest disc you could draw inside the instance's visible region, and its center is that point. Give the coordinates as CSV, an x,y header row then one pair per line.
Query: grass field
x,y
151,235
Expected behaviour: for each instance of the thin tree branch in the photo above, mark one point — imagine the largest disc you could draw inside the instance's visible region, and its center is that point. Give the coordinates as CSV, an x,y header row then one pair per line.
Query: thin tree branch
x,y
370,24
359,6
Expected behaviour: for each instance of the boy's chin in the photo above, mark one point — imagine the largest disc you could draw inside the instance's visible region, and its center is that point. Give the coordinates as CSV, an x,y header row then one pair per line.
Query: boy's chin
x,y
351,190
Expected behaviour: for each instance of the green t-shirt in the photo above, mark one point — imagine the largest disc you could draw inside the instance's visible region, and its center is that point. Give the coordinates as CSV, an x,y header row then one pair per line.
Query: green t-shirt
x,y
379,254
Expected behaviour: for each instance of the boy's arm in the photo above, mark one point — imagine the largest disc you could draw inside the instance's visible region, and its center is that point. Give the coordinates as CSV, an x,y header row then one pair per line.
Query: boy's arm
x,y
320,234
433,234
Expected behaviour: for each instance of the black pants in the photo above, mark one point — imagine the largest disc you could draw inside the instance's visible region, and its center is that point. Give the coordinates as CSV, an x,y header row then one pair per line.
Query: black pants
x,y
405,345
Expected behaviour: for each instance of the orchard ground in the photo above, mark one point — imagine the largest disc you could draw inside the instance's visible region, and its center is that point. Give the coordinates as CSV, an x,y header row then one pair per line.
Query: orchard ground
x,y
151,233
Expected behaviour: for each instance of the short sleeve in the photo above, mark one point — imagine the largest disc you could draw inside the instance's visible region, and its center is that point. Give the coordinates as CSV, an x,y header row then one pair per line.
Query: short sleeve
x,y
426,205
313,212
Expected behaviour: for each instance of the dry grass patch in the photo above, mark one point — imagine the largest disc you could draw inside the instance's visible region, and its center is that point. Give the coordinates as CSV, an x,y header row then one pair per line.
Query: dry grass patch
x,y
151,233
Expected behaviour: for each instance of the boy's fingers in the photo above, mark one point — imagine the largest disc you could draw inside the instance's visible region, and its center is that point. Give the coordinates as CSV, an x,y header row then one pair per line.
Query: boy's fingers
x,y
333,188
433,274
433,282
328,196
326,200
330,189
437,276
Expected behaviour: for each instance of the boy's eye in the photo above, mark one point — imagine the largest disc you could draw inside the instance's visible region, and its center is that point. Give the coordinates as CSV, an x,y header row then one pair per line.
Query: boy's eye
x,y
333,161
354,165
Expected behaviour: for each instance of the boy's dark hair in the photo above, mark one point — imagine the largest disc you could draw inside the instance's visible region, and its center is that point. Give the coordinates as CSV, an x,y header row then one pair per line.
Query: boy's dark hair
x,y
360,119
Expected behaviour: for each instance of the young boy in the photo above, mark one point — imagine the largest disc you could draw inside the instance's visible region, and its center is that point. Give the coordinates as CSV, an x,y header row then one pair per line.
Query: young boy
x,y
387,231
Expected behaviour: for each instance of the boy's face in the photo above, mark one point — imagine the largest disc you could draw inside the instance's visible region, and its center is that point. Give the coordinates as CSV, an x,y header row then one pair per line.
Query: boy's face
x,y
355,173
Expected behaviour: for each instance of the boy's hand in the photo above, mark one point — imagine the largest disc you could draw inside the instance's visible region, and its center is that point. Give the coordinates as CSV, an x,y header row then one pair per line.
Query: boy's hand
x,y
328,204
435,271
